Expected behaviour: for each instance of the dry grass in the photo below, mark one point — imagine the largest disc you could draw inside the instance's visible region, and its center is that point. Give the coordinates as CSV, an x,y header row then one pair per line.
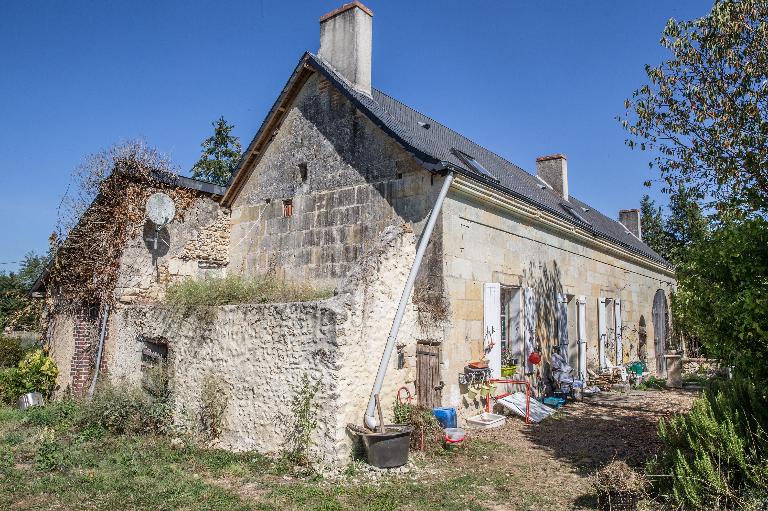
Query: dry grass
x,y
234,289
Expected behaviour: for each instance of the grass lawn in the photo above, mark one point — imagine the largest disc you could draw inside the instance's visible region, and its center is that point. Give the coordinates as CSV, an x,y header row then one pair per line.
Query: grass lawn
x,y
46,464
43,467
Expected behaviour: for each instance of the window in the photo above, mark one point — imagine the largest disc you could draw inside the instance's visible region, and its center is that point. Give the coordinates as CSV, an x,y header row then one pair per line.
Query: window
x,y
511,340
303,172
287,208
473,164
573,212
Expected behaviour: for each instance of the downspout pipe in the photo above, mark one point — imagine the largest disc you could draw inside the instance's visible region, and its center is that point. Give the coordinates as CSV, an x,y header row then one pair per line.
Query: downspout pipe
x,y
371,421
102,335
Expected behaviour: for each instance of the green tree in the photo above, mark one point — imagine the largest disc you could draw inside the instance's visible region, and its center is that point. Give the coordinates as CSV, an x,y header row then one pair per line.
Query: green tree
x,y
722,295
220,155
704,112
17,310
652,222
685,225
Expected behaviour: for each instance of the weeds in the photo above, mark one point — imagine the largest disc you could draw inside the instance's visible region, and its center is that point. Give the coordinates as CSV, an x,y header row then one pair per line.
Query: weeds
x,y
304,410
235,289
213,404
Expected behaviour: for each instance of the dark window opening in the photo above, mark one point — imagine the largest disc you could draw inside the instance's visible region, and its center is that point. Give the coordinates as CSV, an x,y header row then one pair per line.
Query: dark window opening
x,y
398,176
473,164
573,213
303,172
267,201
287,208
154,360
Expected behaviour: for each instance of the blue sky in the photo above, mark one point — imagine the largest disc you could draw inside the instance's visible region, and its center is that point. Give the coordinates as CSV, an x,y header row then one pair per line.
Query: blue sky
x,y
522,78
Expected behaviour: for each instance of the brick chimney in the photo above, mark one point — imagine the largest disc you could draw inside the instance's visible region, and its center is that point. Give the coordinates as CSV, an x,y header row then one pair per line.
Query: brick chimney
x,y
553,170
346,41
630,218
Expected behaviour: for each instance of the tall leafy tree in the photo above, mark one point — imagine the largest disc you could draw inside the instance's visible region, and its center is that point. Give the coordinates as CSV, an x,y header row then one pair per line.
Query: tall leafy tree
x,y
220,154
652,222
704,111
17,310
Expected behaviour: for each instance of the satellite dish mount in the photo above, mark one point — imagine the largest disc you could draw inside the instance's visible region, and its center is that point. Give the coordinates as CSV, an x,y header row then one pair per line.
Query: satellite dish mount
x,y
160,210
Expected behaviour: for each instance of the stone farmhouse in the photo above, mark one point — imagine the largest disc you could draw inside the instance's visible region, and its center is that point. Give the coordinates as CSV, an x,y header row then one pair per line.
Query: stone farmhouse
x,y
338,186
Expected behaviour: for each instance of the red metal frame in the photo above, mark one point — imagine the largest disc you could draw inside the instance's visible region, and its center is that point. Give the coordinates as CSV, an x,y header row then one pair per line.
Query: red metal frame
x,y
514,382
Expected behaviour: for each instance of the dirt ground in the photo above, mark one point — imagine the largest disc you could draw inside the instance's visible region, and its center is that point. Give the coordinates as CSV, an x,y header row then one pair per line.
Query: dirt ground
x,y
549,464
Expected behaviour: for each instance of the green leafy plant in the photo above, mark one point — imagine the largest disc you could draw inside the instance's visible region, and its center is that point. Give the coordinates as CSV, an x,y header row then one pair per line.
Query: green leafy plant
x,y
213,404
49,455
11,352
304,409
714,456
427,430
653,383
127,409
36,372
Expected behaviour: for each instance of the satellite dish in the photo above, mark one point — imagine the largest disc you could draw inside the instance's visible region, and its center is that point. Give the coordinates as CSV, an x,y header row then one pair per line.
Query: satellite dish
x,y
160,209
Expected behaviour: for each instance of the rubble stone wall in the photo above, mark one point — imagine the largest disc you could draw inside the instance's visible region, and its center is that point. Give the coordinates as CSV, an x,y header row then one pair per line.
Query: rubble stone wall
x,y
259,353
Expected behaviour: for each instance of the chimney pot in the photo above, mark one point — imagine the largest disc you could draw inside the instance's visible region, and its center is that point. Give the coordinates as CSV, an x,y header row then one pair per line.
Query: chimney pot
x,y
346,43
630,218
553,170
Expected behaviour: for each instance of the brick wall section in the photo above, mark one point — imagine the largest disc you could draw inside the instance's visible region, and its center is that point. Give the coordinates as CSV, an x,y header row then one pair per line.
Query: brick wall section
x,y
82,334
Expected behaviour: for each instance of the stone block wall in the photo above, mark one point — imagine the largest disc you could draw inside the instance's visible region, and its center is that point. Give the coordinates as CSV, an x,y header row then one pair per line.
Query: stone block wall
x,y
483,243
346,180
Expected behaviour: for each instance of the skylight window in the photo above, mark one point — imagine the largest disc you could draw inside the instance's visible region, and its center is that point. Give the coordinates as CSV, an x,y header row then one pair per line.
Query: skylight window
x,y
473,164
575,214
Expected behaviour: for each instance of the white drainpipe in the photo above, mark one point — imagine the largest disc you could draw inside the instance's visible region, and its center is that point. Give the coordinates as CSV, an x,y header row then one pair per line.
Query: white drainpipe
x,y
100,350
370,414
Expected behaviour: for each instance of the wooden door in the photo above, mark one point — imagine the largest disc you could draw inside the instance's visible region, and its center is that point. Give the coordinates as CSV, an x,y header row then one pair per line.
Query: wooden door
x,y
428,384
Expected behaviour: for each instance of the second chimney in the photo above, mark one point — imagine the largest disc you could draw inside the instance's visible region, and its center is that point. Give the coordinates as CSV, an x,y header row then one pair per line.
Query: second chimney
x,y
346,41
553,170
630,218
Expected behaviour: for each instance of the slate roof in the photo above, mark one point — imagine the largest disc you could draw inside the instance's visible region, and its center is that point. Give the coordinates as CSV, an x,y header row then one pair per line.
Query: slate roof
x,y
433,146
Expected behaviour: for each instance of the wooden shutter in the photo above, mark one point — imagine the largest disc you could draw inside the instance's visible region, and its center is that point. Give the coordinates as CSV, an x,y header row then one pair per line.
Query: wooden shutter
x,y
581,314
617,326
601,332
562,324
428,388
530,327
492,326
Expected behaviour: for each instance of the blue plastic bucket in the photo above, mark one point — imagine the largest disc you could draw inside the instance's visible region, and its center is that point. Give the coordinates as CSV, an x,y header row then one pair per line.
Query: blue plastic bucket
x,y
445,416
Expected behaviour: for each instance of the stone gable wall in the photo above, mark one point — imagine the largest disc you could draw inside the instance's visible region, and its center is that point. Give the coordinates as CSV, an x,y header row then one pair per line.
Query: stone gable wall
x,y
347,181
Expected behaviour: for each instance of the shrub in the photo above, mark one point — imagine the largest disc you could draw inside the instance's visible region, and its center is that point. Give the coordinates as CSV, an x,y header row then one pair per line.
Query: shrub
x,y
427,430
714,456
36,372
11,352
235,289
49,455
145,408
57,414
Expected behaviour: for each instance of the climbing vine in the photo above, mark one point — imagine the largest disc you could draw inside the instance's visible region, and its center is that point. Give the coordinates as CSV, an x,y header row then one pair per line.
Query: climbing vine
x,y
103,208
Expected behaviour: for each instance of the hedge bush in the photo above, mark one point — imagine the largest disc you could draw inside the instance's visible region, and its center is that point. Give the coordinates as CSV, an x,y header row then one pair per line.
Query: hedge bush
x,y
36,372
714,456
